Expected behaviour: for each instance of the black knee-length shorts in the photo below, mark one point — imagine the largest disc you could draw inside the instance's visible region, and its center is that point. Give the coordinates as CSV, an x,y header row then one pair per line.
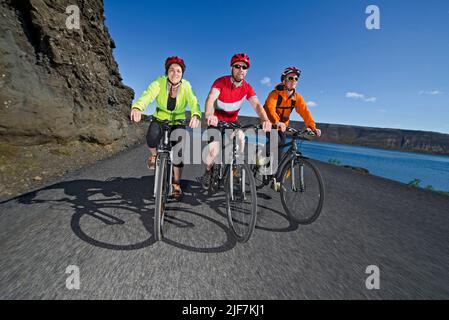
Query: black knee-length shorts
x,y
154,136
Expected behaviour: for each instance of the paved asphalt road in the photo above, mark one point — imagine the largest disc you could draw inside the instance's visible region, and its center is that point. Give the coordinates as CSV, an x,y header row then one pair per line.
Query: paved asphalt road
x,y
100,219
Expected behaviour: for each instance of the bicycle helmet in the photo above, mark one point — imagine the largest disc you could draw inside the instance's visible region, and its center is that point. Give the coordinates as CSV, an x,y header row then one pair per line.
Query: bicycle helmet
x,y
290,70
243,57
177,60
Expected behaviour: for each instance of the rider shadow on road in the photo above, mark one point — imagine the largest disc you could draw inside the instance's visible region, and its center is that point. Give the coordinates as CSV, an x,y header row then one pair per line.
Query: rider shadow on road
x,y
117,214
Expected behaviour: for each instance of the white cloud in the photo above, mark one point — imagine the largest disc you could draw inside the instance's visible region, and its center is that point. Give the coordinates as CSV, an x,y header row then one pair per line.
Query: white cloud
x,y
431,93
266,81
312,104
382,110
357,96
354,95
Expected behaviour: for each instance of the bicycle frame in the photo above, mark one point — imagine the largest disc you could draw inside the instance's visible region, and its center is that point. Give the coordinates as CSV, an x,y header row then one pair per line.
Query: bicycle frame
x,y
165,147
229,169
292,152
288,157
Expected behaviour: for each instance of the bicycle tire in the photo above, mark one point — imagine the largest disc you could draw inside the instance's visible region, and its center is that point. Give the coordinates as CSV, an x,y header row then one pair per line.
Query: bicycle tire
x,y
259,179
214,180
160,194
312,193
247,218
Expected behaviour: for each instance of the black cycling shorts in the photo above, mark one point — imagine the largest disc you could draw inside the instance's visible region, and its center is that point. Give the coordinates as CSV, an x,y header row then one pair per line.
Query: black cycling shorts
x,y
154,136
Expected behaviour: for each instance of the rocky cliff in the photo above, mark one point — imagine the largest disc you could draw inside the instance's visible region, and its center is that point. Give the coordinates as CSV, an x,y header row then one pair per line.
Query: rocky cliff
x,y
58,83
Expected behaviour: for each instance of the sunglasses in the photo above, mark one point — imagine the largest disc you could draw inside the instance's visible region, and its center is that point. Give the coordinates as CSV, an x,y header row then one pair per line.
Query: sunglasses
x,y
293,78
239,66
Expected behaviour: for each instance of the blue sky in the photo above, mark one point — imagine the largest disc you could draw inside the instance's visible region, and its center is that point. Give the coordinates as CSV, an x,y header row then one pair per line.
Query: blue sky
x,y
395,77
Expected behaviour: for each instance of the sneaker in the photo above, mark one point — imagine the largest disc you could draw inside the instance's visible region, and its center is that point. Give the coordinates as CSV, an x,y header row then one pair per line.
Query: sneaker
x,y
151,162
276,186
205,181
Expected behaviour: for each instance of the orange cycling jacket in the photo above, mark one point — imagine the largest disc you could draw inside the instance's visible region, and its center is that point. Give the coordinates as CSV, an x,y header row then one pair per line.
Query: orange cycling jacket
x,y
279,106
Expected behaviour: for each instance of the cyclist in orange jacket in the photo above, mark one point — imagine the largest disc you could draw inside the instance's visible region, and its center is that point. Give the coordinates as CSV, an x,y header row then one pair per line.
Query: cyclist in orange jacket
x,y
283,100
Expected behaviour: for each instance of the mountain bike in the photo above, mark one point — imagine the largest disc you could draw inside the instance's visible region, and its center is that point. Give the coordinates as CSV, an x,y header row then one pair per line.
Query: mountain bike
x,y
297,179
163,175
238,182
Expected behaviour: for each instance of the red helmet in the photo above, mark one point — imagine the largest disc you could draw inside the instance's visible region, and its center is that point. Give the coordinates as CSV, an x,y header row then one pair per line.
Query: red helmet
x,y
241,57
290,70
177,60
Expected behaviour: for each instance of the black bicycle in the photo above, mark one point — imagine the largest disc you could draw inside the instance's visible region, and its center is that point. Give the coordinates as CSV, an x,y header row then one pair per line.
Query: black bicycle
x,y
296,178
238,181
163,175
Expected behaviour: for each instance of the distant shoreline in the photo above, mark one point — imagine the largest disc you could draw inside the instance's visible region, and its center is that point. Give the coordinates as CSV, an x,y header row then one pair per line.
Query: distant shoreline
x,y
423,142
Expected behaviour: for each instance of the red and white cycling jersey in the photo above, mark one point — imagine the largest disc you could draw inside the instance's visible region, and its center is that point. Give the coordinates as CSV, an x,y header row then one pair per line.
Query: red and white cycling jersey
x,y
231,98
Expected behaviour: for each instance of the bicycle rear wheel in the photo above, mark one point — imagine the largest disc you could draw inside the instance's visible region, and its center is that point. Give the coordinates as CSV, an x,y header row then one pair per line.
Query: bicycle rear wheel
x,y
302,191
160,194
241,201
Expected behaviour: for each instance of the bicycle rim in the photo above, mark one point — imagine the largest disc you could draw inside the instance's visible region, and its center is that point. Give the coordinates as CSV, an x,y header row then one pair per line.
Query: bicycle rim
x,y
302,191
259,179
241,204
160,194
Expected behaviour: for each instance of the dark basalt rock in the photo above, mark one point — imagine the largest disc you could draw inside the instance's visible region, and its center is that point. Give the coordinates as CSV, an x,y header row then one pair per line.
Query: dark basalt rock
x,y
56,83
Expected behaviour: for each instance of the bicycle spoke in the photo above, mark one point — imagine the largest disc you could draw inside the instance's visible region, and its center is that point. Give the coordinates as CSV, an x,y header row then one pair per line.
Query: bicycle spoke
x,y
302,191
241,202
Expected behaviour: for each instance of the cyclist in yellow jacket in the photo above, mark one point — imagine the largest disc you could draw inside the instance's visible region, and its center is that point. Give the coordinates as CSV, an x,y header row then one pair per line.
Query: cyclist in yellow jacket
x,y
172,94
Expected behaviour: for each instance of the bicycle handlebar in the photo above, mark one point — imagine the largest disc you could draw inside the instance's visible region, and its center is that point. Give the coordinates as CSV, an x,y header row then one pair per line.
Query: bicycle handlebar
x,y
305,132
258,126
232,125
290,130
169,122
228,125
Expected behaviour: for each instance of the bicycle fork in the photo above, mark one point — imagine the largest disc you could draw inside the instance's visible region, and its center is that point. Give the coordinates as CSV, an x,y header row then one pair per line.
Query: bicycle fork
x,y
169,165
156,175
301,177
241,176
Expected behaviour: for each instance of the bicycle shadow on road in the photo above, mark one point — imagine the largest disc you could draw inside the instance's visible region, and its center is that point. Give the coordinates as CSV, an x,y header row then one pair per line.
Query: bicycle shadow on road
x,y
116,214
268,214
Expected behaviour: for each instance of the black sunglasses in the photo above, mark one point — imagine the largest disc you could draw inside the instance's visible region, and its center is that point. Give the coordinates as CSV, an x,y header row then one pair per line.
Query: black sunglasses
x,y
293,78
239,66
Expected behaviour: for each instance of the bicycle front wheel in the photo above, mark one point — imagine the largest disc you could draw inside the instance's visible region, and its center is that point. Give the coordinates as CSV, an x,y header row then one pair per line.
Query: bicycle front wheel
x,y
259,178
241,201
302,191
160,194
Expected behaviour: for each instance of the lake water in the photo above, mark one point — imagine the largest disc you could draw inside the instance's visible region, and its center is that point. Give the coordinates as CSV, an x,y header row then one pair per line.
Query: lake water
x,y
400,166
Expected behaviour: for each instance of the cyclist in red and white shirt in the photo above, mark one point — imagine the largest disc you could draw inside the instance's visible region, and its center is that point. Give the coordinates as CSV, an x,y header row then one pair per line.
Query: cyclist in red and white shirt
x,y
225,101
